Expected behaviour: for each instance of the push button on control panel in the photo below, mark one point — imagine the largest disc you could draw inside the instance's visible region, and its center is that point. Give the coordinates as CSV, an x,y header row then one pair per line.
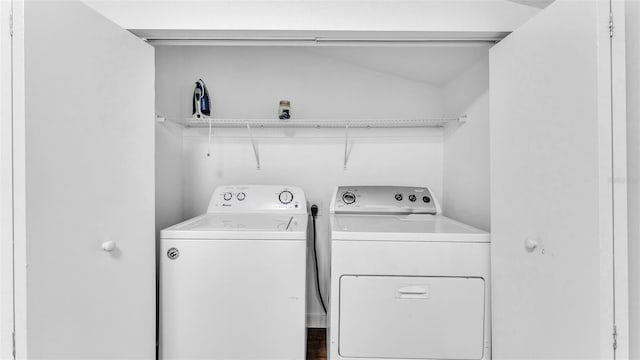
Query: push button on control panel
x,y
398,197
412,198
348,197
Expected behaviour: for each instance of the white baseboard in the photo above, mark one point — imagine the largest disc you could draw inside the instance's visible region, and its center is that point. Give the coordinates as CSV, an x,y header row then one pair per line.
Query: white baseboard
x,y
316,320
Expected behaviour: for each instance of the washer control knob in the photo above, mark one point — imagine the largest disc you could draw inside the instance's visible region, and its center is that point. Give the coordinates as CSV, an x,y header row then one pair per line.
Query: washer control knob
x,y
412,198
426,199
241,196
349,197
285,197
398,197
227,196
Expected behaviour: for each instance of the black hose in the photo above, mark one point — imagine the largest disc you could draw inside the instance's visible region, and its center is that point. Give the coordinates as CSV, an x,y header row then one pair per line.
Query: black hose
x,y
314,213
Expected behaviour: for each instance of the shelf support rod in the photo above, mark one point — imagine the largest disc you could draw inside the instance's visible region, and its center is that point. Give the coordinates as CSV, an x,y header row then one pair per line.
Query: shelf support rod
x,y
209,141
346,146
255,149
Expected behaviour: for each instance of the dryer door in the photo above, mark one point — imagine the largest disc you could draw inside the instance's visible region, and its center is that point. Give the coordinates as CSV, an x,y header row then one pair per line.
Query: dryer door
x,y
411,317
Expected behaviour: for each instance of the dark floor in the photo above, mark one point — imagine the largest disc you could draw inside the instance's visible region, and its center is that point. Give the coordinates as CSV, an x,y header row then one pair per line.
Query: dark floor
x,y
316,344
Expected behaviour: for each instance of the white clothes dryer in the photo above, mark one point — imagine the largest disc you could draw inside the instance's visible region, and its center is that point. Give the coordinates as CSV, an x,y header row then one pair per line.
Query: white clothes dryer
x,y
406,282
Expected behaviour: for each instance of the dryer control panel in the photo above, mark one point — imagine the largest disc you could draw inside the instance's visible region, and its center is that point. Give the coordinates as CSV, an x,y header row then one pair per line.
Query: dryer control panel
x,y
258,198
384,200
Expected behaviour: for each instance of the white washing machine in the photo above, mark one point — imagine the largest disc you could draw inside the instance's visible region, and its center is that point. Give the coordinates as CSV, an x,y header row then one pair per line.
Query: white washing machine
x,y
232,281
406,282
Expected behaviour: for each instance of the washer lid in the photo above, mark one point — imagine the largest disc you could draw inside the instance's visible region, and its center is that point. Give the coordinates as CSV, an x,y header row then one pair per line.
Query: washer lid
x,y
415,227
240,226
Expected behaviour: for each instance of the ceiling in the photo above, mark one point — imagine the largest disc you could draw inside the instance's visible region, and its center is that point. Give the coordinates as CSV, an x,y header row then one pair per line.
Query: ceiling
x,y
436,65
540,4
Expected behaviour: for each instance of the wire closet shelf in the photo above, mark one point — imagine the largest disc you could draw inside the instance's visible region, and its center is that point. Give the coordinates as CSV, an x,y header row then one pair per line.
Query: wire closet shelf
x,y
317,123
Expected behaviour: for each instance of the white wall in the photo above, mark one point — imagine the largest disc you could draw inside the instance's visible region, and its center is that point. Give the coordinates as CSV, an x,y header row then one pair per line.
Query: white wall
x,y
466,149
168,144
633,161
249,82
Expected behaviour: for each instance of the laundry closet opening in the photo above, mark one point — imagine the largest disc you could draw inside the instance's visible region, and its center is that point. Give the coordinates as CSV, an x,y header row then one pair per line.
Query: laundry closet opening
x,y
384,85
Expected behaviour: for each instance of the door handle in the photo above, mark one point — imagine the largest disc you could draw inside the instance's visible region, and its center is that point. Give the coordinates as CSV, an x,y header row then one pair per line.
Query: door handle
x,y
109,245
530,243
413,292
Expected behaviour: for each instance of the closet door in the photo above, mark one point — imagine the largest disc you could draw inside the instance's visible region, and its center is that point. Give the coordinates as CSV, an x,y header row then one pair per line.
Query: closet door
x,y
84,149
552,193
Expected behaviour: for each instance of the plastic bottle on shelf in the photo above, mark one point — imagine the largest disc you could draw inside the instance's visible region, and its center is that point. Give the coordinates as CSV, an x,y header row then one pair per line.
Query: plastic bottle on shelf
x,y
284,110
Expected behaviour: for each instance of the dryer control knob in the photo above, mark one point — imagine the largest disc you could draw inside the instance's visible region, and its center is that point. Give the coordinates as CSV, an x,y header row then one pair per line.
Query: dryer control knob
x,y
227,196
285,197
241,196
398,197
412,198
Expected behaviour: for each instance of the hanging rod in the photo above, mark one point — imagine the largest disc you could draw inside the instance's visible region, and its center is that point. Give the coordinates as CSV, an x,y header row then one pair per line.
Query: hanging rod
x,y
320,123
320,41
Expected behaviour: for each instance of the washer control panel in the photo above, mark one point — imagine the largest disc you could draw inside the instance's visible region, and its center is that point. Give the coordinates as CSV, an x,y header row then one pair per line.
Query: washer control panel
x,y
384,200
257,198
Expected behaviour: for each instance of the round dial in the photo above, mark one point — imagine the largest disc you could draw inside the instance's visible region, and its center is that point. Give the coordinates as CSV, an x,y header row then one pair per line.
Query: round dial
x,y
285,197
426,199
227,196
241,196
412,198
349,197
398,197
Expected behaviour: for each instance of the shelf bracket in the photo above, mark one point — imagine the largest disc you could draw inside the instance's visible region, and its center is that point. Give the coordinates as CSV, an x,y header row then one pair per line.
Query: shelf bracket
x,y
255,149
346,146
